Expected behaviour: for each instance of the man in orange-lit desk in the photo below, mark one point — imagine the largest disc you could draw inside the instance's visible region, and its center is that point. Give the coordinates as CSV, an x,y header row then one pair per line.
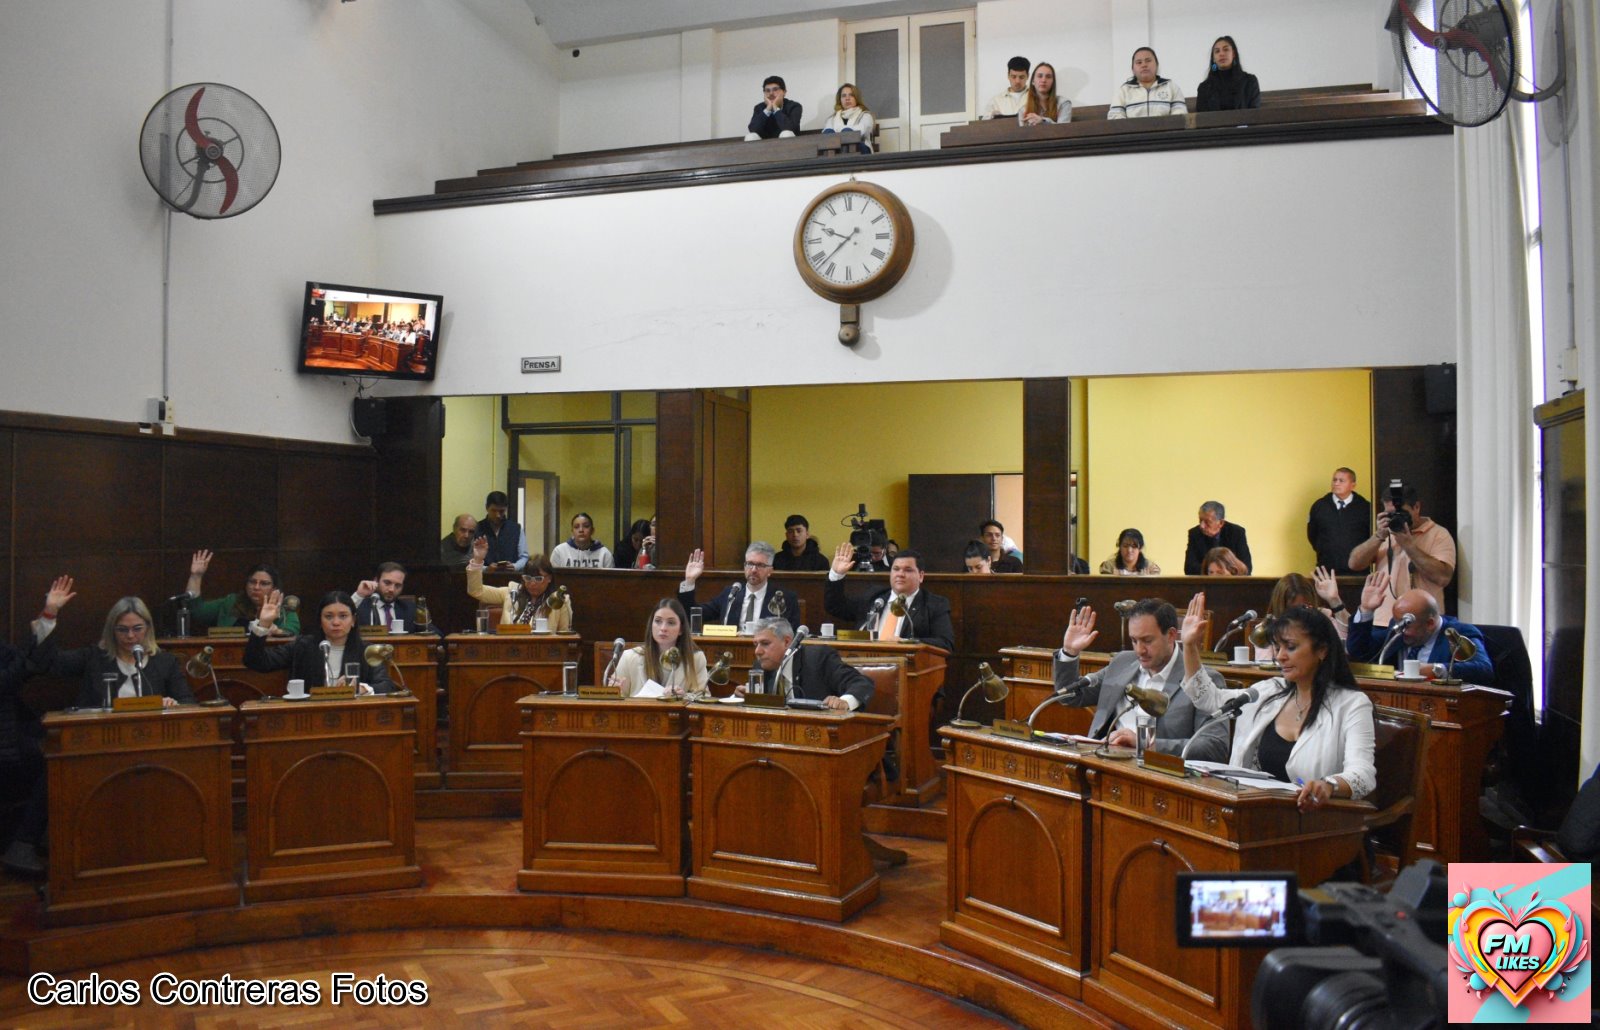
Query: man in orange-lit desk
x,y
815,673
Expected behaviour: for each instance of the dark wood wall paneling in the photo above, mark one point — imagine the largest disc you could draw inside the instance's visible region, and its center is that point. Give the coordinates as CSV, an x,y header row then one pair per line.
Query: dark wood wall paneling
x,y
1047,472
123,511
1415,447
727,499
410,473
1565,567
943,514
680,524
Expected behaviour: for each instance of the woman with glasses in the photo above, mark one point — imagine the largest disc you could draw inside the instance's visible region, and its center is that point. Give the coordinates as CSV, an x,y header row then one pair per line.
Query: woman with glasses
x,y
238,609
526,604
127,662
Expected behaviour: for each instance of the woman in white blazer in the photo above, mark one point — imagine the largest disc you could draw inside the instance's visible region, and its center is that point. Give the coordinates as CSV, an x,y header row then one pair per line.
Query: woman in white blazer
x,y
1311,725
668,631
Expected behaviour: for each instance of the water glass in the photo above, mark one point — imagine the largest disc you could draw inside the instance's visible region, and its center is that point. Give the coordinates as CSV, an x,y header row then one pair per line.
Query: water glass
x,y
483,621
1145,732
109,683
697,620
569,679
756,684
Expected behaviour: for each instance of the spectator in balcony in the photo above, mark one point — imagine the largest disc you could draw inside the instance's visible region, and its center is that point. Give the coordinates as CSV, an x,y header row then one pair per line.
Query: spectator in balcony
x,y
850,113
1009,103
1129,559
1228,87
775,117
1042,106
1146,94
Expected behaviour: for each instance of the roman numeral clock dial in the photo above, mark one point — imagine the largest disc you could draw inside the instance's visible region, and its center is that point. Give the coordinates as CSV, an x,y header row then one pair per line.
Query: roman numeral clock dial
x,y
853,244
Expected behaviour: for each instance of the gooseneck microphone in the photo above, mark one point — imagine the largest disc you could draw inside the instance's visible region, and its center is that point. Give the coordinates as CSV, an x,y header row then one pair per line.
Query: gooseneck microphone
x,y
873,617
1230,710
788,655
327,669
1068,695
140,656
617,646
1396,628
1233,627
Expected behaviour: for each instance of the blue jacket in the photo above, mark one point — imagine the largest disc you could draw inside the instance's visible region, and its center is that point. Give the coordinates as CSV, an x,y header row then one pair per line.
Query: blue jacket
x,y
1366,640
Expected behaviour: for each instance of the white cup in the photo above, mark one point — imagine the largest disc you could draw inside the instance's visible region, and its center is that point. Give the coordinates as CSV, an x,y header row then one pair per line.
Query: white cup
x,y
827,629
1412,668
1263,654
1241,654
297,688
397,626
541,625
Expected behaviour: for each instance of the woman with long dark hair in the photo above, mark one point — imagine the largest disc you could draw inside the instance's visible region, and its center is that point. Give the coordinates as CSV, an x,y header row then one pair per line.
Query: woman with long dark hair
x,y
304,656
525,605
1321,592
667,631
1311,724
1227,86
1129,558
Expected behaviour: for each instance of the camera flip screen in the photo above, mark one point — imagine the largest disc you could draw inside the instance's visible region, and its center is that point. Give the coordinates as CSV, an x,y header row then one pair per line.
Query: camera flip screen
x,y
1221,909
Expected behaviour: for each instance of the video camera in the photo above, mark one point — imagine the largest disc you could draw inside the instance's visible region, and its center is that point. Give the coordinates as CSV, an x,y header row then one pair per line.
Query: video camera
x,y
862,529
1375,961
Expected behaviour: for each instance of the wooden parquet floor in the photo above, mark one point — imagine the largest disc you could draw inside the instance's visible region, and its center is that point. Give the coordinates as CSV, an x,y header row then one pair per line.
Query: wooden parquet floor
x,y
492,954
567,979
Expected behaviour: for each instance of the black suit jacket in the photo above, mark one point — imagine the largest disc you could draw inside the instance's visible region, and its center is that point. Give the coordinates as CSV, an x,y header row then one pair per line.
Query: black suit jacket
x,y
785,119
819,673
303,658
727,606
930,613
405,609
163,674
1336,533
1232,537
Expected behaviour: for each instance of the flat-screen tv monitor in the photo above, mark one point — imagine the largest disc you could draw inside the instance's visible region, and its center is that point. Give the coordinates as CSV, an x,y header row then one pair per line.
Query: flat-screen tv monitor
x,y
364,331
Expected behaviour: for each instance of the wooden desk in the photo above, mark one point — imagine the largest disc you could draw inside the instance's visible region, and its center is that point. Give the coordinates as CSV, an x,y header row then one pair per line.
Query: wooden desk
x,y
488,676
777,803
603,785
1062,868
416,655
139,813
331,802
1465,723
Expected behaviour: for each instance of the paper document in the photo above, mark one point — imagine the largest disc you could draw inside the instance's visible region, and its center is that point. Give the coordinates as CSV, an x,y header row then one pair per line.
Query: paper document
x,y
651,689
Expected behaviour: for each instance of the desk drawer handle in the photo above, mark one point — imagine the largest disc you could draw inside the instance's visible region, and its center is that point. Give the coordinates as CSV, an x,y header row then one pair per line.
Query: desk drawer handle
x,y
765,763
1010,799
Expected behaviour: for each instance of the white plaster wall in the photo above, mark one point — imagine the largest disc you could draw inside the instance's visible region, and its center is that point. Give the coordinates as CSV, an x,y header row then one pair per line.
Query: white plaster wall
x,y
1074,38
1207,260
623,94
807,55
371,100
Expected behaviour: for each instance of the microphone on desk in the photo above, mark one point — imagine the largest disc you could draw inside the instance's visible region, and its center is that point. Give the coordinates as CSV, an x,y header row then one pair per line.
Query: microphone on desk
x,y
1235,704
871,625
1233,627
1067,695
1395,630
616,655
327,670
140,656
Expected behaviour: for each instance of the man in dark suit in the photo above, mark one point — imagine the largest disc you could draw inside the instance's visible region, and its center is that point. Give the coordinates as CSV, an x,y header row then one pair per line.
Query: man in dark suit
x,y
1154,663
378,601
1425,639
1338,522
755,598
815,672
775,116
1214,531
926,616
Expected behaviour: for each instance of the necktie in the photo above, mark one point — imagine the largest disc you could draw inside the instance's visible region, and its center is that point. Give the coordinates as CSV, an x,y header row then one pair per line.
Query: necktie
x,y
1411,652
388,615
749,608
889,625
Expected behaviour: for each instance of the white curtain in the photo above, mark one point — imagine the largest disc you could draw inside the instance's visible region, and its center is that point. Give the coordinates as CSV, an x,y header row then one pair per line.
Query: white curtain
x,y
1584,81
1496,565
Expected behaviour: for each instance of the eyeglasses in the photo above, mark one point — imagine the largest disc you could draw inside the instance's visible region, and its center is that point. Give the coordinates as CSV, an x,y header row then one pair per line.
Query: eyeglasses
x,y
130,631
757,565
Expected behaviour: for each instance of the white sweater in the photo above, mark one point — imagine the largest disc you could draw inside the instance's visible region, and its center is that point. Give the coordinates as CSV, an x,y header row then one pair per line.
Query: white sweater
x,y
1340,743
1162,98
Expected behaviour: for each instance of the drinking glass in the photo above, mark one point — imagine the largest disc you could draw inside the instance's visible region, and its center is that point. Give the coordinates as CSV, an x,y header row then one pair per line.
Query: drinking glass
x,y
109,683
569,679
352,673
1145,731
757,682
697,620
483,621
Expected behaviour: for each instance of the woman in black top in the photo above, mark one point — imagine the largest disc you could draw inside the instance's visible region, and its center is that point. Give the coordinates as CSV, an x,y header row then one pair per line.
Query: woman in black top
x,y
304,656
128,651
1228,87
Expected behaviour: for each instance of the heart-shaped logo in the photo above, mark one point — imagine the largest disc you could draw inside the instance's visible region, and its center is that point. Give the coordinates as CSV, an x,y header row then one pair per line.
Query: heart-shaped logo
x,y
1514,952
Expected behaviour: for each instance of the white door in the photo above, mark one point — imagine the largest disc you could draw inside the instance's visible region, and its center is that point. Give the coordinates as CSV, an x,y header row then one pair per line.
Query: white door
x,y
916,75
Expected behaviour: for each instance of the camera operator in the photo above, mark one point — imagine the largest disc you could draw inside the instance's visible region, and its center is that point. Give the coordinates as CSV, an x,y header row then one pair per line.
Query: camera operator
x,y
1414,550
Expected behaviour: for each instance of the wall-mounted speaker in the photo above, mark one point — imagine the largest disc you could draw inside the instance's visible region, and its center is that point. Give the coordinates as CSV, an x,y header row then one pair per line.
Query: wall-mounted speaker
x,y
369,418
1439,389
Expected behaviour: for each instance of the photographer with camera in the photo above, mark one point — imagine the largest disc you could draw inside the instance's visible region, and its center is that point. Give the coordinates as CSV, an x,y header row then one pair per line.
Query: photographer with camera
x,y
1415,551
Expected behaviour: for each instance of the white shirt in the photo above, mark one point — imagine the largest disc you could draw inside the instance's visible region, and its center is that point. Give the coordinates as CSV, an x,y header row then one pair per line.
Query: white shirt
x,y
1146,681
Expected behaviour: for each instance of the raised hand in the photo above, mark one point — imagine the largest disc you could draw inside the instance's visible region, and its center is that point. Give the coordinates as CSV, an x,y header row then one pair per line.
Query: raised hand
x,y
200,563
695,565
1327,587
1372,592
1192,633
480,548
58,595
1080,632
269,609
365,589
844,558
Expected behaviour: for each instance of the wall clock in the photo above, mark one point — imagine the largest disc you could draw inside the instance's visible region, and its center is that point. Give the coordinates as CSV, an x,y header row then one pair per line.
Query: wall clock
x,y
852,244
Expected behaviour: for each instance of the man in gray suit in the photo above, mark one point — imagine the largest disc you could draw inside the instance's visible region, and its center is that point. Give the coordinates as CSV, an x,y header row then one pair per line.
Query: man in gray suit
x,y
1154,662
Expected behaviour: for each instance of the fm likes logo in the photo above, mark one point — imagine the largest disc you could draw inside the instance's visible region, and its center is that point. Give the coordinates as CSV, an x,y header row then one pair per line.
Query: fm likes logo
x,y
1520,946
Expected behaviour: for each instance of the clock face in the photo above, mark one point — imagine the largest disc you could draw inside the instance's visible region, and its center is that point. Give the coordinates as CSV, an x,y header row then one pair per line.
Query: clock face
x,y
848,239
